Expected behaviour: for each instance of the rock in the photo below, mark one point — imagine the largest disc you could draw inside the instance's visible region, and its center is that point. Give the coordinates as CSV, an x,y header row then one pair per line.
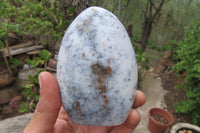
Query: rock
x,y
56,57
52,63
7,110
1,117
15,124
26,66
23,73
7,94
5,79
15,100
97,69
13,106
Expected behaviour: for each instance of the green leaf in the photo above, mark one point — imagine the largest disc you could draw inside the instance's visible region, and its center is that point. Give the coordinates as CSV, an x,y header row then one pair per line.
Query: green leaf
x,y
1,44
45,55
31,78
24,107
14,62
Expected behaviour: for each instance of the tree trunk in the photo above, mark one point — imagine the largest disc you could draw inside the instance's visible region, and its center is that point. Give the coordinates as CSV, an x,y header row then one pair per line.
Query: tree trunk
x,y
150,15
126,9
119,9
146,33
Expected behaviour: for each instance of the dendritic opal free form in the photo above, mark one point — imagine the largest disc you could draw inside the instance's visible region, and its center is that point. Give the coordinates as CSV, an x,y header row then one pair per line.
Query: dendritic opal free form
x,y
97,69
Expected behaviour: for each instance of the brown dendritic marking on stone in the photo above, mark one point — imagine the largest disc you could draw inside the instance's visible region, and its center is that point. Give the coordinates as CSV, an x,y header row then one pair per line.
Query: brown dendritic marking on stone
x,y
83,54
105,101
102,89
78,111
102,72
77,108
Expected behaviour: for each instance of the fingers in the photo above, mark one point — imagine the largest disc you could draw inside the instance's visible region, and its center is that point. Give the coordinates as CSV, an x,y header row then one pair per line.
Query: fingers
x,y
62,126
140,99
47,109
63,115
130,124
134,117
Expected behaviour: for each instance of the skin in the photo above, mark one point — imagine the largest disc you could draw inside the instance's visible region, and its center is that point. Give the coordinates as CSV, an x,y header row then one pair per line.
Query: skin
x,y
50,117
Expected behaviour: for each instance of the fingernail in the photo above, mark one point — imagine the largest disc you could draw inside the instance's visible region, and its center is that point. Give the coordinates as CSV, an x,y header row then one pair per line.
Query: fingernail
x,y
40,81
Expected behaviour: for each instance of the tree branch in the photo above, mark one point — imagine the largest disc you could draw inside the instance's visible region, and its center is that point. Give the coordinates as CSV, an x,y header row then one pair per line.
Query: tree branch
x,y
158,10
125,11
153,5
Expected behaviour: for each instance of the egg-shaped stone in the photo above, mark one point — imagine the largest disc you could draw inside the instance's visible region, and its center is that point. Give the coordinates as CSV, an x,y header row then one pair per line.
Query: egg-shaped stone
x,y
97,69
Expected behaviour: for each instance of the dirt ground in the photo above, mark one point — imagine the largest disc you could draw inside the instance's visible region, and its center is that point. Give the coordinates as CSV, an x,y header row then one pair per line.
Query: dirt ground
x,y
163,66
169,80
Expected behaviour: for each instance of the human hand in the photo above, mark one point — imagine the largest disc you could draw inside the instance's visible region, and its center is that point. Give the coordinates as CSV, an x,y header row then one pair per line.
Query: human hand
x,y
50,116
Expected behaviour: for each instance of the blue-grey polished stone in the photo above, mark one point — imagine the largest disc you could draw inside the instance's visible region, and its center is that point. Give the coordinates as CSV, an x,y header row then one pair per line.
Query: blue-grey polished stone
x,y
97,69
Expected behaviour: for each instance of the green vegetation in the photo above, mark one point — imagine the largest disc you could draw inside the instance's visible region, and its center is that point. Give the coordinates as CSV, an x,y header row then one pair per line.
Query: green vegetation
x,y
45,55
31,89
14,63
34,63
31,93
142,61
187,55
170,23
43,21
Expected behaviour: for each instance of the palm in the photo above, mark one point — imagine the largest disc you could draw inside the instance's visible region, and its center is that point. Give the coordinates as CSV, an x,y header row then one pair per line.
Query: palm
x,y
69,127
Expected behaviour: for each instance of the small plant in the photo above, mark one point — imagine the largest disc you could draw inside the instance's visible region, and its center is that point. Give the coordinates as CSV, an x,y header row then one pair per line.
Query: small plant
x,y
165,47
142,61
45,55
1,44
154,46
34,63
14,63
3,33
136,38
24,107
31,89
31,93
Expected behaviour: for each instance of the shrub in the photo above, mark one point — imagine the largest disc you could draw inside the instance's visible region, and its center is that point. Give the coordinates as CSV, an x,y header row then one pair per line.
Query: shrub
x,y
39,20
187,53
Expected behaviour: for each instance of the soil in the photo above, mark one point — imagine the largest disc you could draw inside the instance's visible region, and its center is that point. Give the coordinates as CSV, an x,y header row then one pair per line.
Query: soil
x,y
169,80
160,118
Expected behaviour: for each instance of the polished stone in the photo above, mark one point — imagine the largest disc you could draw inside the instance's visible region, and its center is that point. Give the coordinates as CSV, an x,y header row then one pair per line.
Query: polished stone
x,y
97,69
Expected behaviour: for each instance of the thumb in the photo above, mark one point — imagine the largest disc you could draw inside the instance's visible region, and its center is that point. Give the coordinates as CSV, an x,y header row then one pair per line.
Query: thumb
x,y
48,107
